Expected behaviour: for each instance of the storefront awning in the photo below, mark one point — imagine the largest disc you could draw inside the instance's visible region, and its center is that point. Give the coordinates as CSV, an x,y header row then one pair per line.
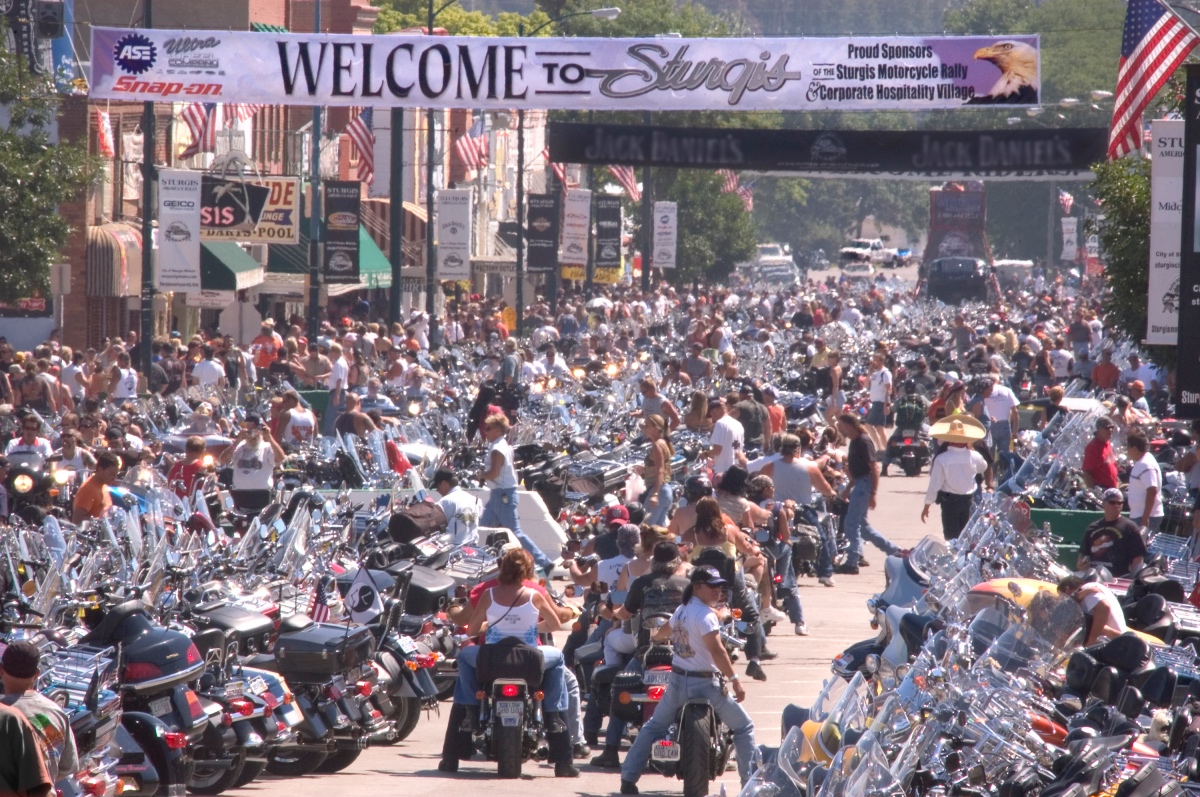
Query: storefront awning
x,y
374,269
225,266
114,261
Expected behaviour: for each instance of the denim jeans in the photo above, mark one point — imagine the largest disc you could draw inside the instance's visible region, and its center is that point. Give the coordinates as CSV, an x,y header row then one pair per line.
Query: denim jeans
x,y
553,683
680,690
500,511
574,703
857,527
785,589
658,515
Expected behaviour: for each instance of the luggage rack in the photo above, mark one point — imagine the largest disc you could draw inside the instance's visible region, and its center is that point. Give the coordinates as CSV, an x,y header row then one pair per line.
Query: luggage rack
x,y
1168,545
76,666
1186,573
1180,658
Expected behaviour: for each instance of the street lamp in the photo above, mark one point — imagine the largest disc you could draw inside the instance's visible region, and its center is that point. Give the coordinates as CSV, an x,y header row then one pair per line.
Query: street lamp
x,y
598,13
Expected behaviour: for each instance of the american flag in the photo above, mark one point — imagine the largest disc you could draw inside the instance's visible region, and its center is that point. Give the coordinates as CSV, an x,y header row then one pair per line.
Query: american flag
x,y
244,111
1066,201
319,608
201,120
472,146
731,180
361,133
104,135
628,180
560,169
746,194
1155,43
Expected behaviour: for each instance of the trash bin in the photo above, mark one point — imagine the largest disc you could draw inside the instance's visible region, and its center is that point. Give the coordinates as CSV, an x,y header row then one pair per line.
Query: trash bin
x,y
1070,524
318,402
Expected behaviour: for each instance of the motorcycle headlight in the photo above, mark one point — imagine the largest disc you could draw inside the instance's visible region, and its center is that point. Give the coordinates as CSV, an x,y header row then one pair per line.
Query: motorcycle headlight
x,y
62,476
611,369
23,483
579,373
208,460
414,408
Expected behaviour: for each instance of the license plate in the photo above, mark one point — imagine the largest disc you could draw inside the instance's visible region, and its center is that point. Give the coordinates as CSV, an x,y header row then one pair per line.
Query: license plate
x,y
160,707
510,708
909,433
656,677
234,689
257,685
665,750
407,646
353,675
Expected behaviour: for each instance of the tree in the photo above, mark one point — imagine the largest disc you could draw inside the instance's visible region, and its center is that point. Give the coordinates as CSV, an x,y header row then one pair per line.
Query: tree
x,y
715,232
37,174
401,14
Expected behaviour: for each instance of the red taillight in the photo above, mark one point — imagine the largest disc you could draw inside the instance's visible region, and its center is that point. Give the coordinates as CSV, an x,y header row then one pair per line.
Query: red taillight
x,y
778,579
193,654
363,688
226,718
908,441
426,661
194,704
427,628
509,690
281,727
269,699
655,692
96,787
242,706
141,671
376,714
175,741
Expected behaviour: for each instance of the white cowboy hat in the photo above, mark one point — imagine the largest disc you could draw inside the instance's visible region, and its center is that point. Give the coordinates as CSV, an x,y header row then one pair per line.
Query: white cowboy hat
x,y
958,429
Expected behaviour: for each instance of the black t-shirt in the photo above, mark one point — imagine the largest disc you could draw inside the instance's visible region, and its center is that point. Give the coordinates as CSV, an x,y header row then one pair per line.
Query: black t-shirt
x,y
754,419
1113,544
665,592
860,457
156,380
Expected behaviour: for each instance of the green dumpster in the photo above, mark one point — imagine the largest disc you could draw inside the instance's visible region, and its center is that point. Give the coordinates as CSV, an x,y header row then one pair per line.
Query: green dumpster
x,y
318,400
1069,524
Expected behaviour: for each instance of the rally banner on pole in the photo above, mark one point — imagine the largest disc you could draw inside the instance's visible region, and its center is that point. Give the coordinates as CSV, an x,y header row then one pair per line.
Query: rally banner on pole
x,y
541,235
666,234
1070,231
1187,364
577,227
748,74
608,265
1166,198
339,262
454,234
177,260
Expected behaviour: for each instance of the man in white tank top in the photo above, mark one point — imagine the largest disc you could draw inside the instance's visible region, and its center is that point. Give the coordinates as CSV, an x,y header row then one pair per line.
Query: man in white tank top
x,y
122,380
796,477
297,423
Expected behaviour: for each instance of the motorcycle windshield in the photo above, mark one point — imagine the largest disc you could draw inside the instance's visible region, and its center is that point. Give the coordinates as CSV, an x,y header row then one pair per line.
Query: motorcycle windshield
x,y
830,695
1051,626
870,775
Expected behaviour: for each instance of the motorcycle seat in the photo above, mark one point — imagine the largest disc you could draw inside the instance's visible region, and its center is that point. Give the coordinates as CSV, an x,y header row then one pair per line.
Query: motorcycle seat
x,y
297,622
605,674
103,633
262,661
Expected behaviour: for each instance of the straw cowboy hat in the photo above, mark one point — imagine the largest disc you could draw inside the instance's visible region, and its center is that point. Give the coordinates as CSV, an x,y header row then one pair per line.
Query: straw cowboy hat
x,y
961,428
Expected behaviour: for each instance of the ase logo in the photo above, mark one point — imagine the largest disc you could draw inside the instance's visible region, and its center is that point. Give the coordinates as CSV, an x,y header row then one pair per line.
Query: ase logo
x,y
135,53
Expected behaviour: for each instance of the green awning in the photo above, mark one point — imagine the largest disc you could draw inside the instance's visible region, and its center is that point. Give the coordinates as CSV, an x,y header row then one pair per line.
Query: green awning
x,y
374,269
225,266
263,27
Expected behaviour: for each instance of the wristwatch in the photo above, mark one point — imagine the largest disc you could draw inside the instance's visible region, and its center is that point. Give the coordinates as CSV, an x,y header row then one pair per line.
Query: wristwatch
x,y
733,677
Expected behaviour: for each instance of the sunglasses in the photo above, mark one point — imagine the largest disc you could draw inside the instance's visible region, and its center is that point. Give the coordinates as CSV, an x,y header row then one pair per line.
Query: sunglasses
x,y
1113,501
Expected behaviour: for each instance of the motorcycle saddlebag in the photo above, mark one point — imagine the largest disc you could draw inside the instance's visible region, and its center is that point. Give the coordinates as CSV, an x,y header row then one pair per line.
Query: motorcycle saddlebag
x,y
253,630
627,682
323,649
429,591
422,519
806,546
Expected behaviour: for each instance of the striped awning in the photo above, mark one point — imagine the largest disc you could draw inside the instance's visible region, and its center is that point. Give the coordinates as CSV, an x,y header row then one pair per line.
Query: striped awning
x,y
114,261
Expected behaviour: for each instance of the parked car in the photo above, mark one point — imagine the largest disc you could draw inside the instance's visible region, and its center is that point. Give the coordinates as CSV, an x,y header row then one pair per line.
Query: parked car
x,y
858,271
868,250
958,279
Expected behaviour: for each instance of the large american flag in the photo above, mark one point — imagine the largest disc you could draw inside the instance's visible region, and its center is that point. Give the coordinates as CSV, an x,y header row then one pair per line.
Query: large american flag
x,y
560,169
363,135
1154,45
319,609
244,111
628,180
201,121
746,194
472,146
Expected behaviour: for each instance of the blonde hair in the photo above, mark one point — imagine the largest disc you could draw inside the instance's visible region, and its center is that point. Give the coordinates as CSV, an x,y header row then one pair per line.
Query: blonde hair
x,y
497,420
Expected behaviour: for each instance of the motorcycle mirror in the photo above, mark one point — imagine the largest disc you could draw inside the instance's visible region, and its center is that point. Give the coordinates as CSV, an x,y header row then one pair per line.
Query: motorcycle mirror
x,y
227,500
654,623
574,546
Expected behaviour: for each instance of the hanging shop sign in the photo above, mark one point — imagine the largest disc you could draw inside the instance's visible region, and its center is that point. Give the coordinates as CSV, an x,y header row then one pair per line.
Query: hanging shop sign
x,y
454,234
749,74
177,257
577,228
541,233
339,261
1166,198
666,234
263,210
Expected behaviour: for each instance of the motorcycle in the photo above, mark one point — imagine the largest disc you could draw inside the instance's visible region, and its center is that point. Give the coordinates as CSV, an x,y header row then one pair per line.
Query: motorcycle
x,y
911,448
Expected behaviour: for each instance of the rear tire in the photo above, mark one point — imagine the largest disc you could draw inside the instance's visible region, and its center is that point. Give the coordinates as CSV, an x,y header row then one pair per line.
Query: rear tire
x,y
913,470
250,773
508,750
217,779
408,714
339,760
695,742
292,763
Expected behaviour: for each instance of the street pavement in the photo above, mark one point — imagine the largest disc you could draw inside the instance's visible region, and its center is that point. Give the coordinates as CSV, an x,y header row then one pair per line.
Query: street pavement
x,y
836,618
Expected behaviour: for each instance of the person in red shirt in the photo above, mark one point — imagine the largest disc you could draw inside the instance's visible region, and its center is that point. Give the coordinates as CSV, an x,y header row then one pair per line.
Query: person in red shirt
x,y
1106,374
1099,461
183,474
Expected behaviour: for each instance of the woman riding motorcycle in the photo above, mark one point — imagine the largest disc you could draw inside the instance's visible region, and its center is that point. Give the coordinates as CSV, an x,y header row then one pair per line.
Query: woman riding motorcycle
x,y
513,608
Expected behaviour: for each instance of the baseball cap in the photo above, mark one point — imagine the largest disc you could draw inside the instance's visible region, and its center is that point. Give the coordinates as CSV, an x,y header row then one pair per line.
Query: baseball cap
x,y
707,575
616,515
21,659
1114,494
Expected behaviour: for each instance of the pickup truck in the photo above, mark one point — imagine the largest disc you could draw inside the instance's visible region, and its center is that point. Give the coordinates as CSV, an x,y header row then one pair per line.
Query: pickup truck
x,y
772,263
866,250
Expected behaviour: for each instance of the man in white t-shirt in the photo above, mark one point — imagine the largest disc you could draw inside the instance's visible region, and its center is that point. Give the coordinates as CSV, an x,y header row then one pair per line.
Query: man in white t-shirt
x,y
339,376
462,509
728,437
1001,404
1145,484
254,458
208,373
30,448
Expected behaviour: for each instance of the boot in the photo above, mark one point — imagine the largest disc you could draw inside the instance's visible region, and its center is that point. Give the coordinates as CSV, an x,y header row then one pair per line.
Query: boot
x,y
609,759
458,743
558,740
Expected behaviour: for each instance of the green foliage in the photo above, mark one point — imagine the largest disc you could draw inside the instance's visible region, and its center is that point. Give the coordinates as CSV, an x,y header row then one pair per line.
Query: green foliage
x,y
401,14
642,18
715,232
36,176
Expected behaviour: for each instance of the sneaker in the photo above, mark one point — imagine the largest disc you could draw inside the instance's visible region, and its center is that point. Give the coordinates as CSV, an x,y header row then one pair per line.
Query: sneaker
x,y
846,570
755,671
801,629
826,581
628,787
773,615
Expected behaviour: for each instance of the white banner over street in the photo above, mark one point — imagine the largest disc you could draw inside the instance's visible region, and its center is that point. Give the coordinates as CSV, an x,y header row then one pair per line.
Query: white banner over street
x,y
1166,227
750,74
1070,235
454,234
666,234
577,226
177,259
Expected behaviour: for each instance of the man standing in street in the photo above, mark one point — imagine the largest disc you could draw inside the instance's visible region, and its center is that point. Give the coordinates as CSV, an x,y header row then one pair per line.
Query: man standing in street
x,y
1114,541
864,483
1145,484
953,476
19,667
1099,461
728,437
1001,405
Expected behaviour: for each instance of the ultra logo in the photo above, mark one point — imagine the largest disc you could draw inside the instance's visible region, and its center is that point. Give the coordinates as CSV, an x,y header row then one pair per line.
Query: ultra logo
x,y
134,53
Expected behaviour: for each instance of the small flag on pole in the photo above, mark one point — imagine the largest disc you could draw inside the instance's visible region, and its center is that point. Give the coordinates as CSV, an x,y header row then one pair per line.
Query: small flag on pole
x,y
628,180
363,135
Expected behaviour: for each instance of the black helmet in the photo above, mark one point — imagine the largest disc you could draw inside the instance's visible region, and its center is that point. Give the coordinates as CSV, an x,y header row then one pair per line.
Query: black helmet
x,y
697,487
637,512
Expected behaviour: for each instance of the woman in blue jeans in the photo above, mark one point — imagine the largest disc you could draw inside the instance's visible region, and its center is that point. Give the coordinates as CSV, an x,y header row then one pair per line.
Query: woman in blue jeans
x,y
656,471
500,511
511,609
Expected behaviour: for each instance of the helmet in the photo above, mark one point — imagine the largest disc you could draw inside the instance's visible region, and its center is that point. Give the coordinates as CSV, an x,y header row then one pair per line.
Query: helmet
x,y
637,512
697,487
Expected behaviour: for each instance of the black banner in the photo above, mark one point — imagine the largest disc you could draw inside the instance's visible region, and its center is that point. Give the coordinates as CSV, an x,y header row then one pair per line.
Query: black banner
x,y
339,263
608,231
541,236
1043,154
231,204
1187,374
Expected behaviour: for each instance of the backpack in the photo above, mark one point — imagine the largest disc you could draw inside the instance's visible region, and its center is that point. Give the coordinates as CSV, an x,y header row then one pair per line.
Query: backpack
x,y
422,519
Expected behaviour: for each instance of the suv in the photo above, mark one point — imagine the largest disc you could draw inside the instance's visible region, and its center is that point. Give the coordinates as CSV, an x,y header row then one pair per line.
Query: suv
x,y
958,279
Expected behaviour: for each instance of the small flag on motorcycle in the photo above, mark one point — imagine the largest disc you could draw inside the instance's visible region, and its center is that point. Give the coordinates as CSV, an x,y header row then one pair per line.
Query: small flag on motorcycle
x,y
362,599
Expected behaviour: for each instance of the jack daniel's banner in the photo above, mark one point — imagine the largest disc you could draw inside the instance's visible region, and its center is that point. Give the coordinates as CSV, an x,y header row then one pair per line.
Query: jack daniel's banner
x,y
844,74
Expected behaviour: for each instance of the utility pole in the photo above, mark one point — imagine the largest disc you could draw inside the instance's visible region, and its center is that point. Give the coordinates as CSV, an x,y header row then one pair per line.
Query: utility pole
x,y
520,214
396,214
148,199
314,225
591,264
430,154
647,214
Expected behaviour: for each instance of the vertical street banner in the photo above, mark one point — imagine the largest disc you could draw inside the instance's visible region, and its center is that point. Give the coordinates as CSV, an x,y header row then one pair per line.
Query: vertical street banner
x,y
454,234
1187,373
1070,237
178,257
666,234
541,235
608,240
576,232
339,261
1166,218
